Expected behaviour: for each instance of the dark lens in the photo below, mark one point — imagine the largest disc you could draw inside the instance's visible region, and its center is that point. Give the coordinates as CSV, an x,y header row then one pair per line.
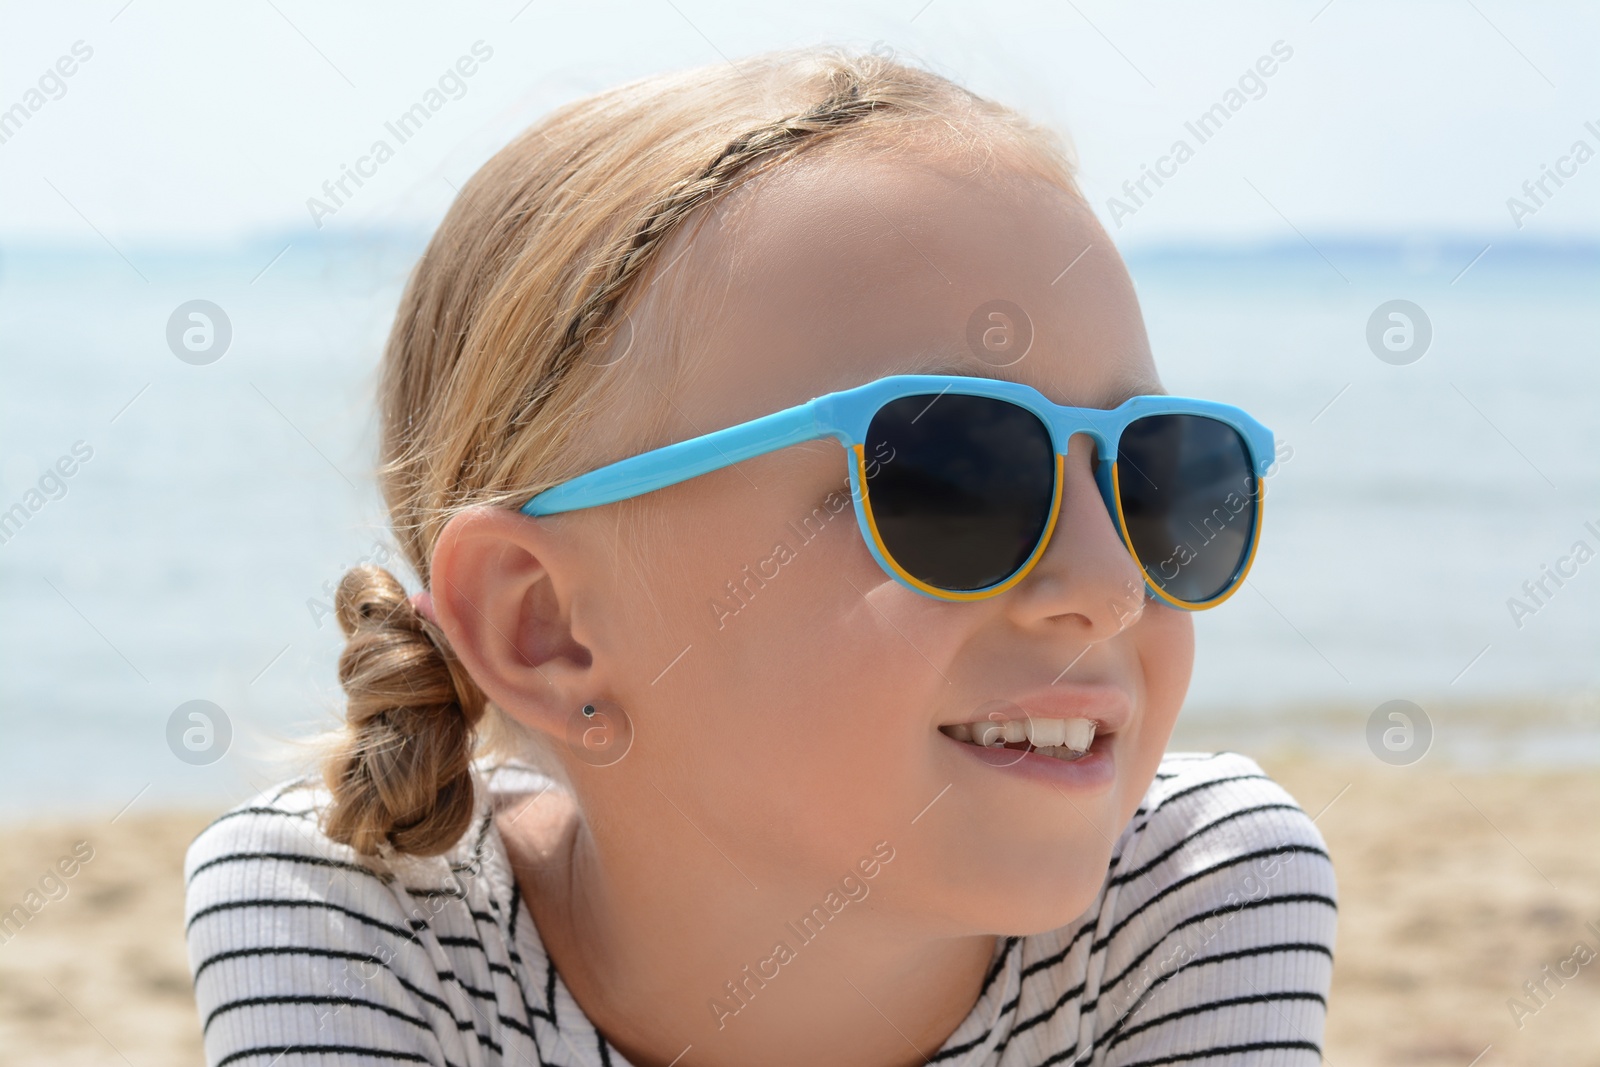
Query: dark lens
x,y
960,487
1189,502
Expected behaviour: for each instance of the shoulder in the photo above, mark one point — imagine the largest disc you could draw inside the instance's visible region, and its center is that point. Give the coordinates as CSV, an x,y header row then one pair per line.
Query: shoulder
x,y
1220,912
296,939
272,848
264,872
1215,831
283,821
1204,807
270,852
270,845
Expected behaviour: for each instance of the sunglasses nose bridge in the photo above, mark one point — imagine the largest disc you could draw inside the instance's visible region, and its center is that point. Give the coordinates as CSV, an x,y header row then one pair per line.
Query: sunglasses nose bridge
x,y
1070,424
1065,429
1091,561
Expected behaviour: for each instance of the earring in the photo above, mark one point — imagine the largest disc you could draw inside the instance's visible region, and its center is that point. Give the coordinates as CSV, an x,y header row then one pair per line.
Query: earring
x,y
600,733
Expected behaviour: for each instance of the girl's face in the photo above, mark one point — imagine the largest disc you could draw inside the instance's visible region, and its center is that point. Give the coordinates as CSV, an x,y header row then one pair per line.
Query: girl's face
x,y
785,694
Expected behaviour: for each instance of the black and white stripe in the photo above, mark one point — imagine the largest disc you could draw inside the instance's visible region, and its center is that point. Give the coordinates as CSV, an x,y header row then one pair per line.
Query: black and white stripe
x,y
1209,943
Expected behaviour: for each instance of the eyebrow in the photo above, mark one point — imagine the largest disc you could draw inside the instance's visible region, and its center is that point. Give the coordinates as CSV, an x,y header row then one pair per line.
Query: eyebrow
x,y
943,363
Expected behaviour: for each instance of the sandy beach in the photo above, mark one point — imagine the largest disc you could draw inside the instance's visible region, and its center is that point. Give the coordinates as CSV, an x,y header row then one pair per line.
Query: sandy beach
x,y
1456,888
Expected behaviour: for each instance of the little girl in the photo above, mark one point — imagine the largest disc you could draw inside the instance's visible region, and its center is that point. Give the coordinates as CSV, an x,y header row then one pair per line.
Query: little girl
x,y
809,548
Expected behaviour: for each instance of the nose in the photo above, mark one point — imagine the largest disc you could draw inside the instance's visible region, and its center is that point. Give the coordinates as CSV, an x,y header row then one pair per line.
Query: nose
x,y
1086,576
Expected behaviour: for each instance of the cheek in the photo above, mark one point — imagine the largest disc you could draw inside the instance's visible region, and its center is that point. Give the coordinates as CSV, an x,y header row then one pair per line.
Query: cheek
x,y
1166,648
1164,644
757,571
783,648
793,704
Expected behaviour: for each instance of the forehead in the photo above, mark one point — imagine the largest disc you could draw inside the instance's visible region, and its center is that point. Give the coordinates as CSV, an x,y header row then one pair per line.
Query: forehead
x,y
831,272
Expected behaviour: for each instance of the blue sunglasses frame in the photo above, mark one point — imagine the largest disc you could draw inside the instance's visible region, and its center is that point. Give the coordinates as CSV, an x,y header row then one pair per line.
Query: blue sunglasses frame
x,y
846,416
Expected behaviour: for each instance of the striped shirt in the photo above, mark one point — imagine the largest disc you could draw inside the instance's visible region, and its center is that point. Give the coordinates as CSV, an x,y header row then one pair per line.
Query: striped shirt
x,y
1209,942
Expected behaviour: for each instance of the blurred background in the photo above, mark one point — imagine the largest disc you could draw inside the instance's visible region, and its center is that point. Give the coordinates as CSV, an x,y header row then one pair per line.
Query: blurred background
x,y
1380,235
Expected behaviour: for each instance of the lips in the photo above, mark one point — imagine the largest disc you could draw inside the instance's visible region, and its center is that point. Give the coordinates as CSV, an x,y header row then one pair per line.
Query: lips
x,y
1107,706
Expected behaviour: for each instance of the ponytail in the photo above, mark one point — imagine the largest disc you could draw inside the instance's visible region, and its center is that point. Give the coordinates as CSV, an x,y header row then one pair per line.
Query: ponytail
x,y
401,774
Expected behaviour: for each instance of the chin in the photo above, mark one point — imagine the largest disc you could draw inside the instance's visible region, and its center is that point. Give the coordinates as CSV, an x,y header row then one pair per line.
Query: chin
x,y
1024,893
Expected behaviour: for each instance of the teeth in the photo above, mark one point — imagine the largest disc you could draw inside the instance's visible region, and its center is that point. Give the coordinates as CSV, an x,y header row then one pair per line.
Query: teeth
x,y
1061,752
1079,734
988,734
1062,738
1047,733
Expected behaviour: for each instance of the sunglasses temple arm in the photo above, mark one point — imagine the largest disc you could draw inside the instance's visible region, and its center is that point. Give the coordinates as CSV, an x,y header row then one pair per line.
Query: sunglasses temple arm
x,y
681,461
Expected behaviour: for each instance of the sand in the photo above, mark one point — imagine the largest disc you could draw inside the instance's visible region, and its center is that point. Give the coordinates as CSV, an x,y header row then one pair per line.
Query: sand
x,y
100,975
1456,887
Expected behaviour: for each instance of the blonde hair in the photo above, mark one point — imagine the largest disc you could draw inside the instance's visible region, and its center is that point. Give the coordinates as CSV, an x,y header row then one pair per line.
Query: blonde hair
x,y
486,395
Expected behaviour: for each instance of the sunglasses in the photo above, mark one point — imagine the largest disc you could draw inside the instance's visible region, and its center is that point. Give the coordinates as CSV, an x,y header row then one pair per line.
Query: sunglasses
x,y
957,481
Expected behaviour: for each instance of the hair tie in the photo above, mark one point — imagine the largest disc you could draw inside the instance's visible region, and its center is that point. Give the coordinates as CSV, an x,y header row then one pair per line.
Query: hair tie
x,y
423,603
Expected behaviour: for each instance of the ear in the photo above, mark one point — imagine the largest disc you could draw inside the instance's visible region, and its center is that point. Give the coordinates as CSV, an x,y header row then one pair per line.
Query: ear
x,y
502,584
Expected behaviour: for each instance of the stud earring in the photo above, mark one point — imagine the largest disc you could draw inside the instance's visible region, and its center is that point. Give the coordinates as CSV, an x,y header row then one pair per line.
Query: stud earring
x,y
599,733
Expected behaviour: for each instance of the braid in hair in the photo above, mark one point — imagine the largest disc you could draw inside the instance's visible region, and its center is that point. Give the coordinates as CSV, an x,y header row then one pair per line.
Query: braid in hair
x,y
844,105
401,776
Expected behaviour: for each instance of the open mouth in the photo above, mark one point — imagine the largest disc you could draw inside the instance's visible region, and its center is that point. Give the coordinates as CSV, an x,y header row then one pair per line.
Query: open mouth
x,y
1062,739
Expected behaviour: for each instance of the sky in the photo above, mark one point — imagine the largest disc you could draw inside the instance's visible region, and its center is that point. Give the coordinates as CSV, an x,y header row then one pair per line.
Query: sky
x,y
194,123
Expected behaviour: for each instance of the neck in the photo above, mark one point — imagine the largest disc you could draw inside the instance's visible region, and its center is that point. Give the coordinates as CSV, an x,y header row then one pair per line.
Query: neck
x,y
678,963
